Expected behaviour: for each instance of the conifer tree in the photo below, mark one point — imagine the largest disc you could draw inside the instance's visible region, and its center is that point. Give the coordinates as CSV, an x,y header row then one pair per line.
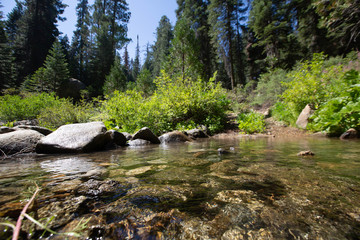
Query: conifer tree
x,y
224,17
110,29
81,41
161,49
194,11
12,22
184,52
56,68
273,23
37,30
136,66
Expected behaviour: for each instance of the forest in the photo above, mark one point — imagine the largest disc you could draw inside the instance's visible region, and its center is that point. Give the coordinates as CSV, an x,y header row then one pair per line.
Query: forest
x,y
221,55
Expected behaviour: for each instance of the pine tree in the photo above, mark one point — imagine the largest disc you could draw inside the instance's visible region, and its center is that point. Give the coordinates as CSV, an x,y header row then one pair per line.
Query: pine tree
x,y
224,17
273,23
149,59
161,49
117,79
12,22
81,41
342,19
56,68
110,29
6,73
136,66
184,59
37,30
195,12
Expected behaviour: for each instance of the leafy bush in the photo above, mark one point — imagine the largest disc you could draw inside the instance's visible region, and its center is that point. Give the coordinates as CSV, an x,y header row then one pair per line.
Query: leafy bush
x,y
343,112
176,103
65,112
311,83
251,122
269,88
281,112
51,111
29,106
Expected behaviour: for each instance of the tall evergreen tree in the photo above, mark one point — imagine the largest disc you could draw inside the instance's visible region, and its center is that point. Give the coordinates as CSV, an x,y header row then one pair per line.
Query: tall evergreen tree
x,y
5,56
36,33
81,41
273,23
342,19
57,72
161,49
184,59
136,66
12,22
224,17
110,28
311,36
149,59
53,76
195,12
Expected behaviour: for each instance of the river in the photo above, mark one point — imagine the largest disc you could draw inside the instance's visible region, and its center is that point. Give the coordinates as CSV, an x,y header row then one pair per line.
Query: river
x,y
257,189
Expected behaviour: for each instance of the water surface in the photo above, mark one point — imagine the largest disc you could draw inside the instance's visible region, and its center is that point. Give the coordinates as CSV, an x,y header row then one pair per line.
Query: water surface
x,y
258,189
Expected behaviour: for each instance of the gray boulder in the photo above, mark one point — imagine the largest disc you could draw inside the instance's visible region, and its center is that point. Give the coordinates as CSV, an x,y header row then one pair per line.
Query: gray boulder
x,y
173,137
146,134
5,129
196,133
74,138
349,134
41,130
127,135
303,118
22,141
72,89
114,137
33,122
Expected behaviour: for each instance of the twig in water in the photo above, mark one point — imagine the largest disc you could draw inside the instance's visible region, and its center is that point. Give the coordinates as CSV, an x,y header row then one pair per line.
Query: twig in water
x,y
23,212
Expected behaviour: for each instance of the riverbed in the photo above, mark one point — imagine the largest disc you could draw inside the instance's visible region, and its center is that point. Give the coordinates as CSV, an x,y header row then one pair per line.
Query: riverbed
x,y
256,188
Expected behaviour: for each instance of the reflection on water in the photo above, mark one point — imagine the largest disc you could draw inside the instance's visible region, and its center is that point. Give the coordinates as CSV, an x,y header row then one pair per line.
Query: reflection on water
x,y
260,190
71,165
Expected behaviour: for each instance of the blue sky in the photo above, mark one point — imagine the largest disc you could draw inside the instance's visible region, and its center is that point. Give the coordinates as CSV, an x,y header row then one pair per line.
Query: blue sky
x,y
145,17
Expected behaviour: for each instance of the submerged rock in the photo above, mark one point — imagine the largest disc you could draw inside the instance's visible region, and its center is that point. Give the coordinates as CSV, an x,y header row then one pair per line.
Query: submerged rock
x,y
196,133
306,153
173,137
65,210
146,134
23,141
95,188
74,138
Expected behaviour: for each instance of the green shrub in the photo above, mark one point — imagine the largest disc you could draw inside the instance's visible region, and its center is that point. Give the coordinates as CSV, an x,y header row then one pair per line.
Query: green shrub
x,y
311,83
251,122
176,103
281,112
65,112
29,106
343,112
269,88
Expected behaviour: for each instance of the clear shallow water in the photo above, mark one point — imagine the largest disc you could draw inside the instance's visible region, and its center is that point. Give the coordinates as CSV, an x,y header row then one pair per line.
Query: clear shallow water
x,y
259,190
